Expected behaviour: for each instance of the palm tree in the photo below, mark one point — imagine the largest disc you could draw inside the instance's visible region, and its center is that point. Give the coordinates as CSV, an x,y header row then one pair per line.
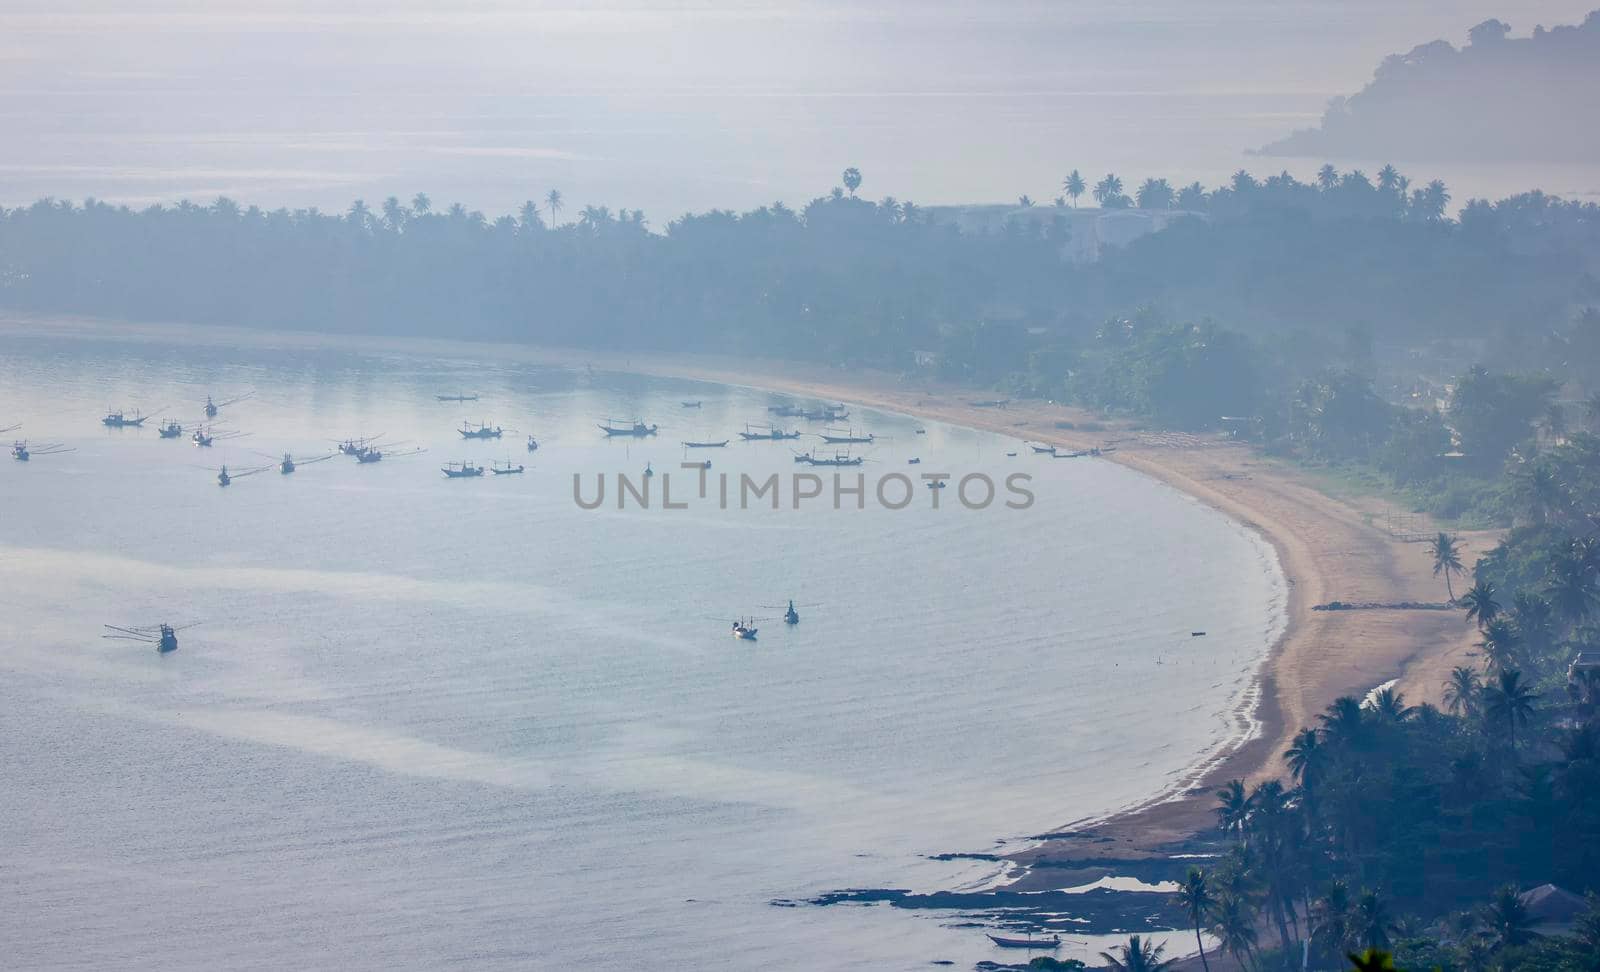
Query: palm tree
x,y
421,204
1371,920
1538,490
1327,178
359,215
1331,919
1195,899
1233,808
394,214
1480,602
1391,707
1506,919
1191,197
1446,552
910,212
1107,189
1073,186
1510,703
552,204
1235,928
1388,178
1499,646
1155,194
1535,622
1462,691
1343,723
1571,584
1307,758
529,217
1137,956
1025,201
852,179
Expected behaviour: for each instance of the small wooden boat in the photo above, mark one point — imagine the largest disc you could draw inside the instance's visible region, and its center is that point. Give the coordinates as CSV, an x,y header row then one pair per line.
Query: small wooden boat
x,y
457,398
506,470
833,437
637,429
1047,450
694,404
461,470
769,435
706,445
913,462
1044,943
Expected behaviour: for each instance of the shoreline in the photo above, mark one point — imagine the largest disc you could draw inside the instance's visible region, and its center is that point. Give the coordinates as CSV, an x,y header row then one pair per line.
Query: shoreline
x,y
1327,549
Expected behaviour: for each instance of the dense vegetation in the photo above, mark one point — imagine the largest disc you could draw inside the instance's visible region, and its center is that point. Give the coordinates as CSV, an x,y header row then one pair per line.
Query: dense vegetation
x,y
1410,829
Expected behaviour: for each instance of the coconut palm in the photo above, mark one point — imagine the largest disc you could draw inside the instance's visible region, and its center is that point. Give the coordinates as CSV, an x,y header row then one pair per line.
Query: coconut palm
x,y
1390,707
1462,690
1499,646
1343,723
1509,702
1137,956
1446,552
1330,919
1024,201
1233,808
528,219
1235,929
1480,603
394,215
1073,186
1535,622
1388,178
421,204
1155,194
851,179
1327,178
1506,919
1107,189
553,204
1191,197
1194,897
1371,923
1538,490
1307,758
1570,583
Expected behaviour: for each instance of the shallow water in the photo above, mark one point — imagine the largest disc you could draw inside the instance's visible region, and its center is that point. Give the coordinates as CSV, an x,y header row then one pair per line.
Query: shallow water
x,y
431,722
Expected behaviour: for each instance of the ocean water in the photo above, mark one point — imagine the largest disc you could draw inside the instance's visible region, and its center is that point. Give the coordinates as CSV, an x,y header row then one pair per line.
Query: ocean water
x,y
431,723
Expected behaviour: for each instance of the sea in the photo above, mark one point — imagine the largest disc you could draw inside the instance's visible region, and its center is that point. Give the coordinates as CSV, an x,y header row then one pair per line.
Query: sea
x,y
430,723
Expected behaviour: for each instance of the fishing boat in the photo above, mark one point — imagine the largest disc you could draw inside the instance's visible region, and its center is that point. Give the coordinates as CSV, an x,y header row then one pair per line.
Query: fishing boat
x,y
837,459
937,484
171,430
288,463
705,445
461,470
991,403
469,430
1048,450
213,407
785,411
163,636
1029,942
745,630
457,398
828,413
638,429
120,420
845,437
533,444
22,452
225,478
771,434
506,470
914,462
694,404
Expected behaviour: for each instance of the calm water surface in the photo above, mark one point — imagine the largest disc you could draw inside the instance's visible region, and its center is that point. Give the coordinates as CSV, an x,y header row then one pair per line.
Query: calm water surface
x,y
430,723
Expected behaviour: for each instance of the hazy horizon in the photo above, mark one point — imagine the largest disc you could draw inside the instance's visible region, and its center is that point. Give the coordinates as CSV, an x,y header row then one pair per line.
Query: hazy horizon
x,y
675,107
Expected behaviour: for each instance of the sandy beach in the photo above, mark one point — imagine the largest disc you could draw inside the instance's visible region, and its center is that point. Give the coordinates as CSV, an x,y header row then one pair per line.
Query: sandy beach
x,y
1329,549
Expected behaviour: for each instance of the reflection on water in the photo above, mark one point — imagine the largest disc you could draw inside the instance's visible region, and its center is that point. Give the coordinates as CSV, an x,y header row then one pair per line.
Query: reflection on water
x,y
431,721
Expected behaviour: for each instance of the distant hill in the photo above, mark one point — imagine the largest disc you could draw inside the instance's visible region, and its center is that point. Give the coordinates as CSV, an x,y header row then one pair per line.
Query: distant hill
x,y
1530,99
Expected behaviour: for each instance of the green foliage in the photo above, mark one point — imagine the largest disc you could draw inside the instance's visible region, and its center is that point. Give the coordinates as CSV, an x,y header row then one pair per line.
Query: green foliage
x,y
1494,414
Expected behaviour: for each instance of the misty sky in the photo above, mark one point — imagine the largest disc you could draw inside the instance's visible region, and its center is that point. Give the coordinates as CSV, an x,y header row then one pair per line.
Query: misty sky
x,y
675,106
